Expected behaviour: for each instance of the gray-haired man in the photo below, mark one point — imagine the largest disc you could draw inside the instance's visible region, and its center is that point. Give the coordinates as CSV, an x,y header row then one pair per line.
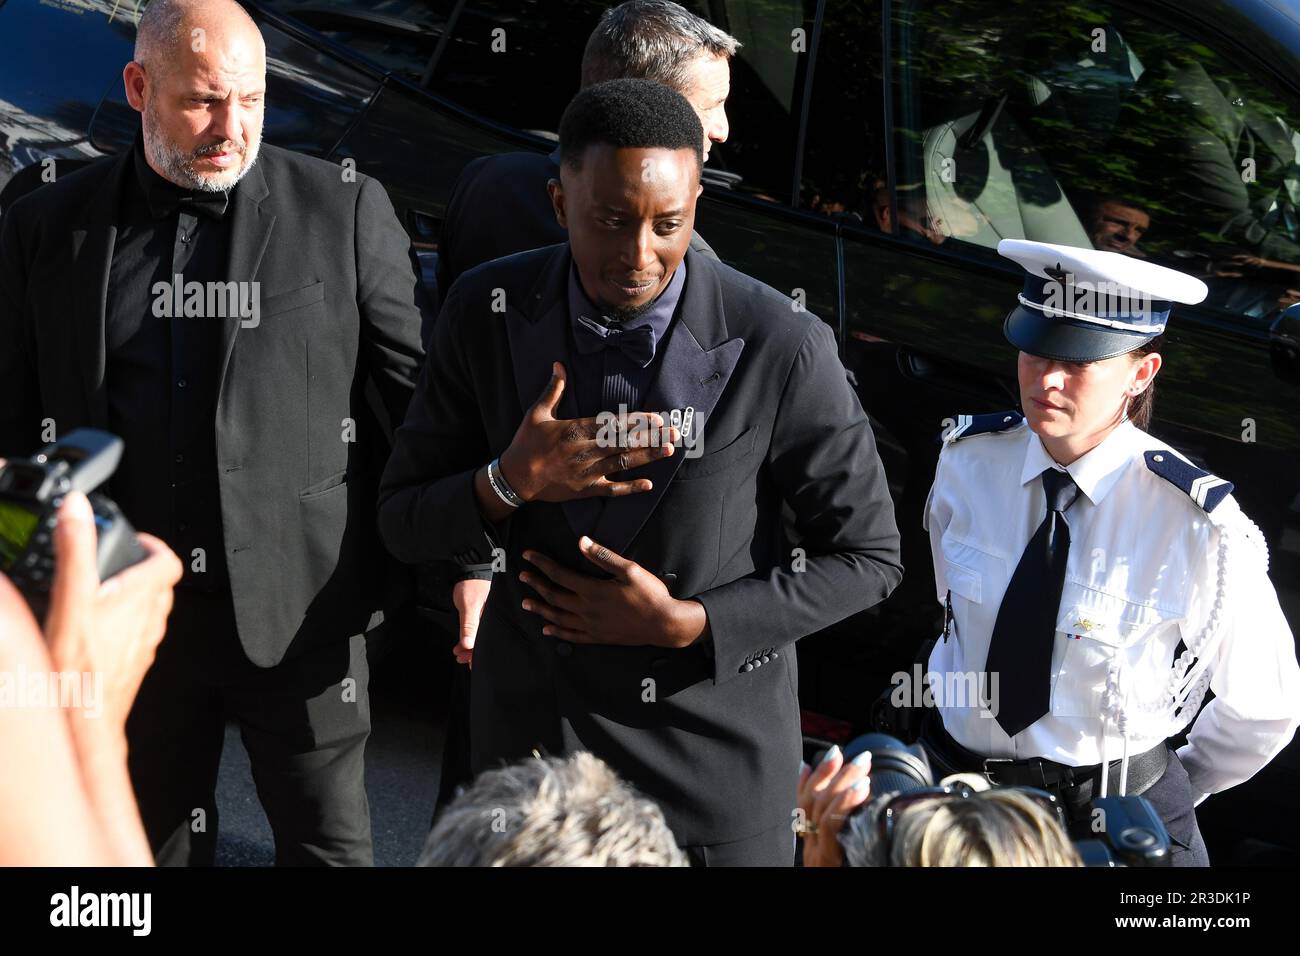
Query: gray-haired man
x,y
500,205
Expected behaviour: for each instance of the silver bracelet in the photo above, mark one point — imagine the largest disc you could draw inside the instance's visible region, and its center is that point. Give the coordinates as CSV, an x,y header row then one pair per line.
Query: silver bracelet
x,y
500,486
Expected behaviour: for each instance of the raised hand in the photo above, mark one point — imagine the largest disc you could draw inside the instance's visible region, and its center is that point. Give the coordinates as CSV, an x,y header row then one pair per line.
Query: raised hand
x,y
556,459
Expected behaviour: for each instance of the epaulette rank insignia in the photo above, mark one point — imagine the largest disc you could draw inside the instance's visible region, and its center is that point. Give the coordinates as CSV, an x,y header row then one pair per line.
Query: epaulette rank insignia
x,y
968,425
1205,489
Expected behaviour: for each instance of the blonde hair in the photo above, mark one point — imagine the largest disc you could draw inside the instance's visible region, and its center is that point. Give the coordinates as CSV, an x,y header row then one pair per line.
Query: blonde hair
x,y
996,827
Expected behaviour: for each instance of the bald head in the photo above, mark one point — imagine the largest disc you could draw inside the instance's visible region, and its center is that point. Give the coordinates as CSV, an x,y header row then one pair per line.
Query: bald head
x,y
165,31
199,81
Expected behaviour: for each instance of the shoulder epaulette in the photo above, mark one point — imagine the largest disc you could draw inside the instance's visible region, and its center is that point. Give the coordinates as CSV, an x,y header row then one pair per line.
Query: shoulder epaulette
x,y
1205,489
968,425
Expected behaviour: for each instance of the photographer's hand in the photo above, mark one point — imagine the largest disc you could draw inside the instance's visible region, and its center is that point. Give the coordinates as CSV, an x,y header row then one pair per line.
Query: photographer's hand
x,y
827,794
110,631
111,628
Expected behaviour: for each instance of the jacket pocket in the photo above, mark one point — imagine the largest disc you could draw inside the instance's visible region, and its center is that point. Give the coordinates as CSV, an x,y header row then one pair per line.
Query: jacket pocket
x,y
972,574
321,487
1094,629
719,460
293,299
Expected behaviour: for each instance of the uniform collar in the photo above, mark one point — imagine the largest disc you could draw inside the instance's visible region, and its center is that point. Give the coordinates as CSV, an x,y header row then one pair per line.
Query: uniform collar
x,y
1095,473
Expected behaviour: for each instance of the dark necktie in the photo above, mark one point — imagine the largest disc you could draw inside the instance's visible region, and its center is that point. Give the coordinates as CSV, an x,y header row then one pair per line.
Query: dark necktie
x,y
637,344
1020,650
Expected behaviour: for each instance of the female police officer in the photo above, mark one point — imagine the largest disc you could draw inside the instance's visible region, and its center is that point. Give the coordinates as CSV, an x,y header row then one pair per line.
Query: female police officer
x,y
1095,582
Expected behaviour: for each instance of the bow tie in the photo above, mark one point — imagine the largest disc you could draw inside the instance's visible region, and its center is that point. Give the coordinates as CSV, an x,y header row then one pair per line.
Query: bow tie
x,y
197,202
637,344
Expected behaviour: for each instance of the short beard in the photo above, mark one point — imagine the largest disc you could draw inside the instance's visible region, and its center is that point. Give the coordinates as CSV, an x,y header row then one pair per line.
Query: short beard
x,y
177,166
626,314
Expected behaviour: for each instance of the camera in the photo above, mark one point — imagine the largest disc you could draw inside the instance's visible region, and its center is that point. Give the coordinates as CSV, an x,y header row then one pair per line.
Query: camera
x,y
1131,833
896,767
31,492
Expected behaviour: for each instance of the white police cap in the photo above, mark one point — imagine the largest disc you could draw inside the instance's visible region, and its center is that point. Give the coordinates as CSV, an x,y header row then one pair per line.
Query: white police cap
x,y
1084,305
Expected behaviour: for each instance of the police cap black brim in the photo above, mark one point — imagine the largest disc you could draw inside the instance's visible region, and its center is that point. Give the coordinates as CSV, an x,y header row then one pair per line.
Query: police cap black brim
x,y
1064,339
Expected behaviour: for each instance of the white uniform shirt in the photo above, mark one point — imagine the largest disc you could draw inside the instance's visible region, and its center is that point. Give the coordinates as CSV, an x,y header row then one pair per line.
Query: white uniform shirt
x,y
1142,574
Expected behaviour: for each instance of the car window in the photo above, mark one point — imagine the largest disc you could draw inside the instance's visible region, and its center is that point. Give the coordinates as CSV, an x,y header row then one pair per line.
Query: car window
x,y
843,168
397,35
1095,127
518,62
767,92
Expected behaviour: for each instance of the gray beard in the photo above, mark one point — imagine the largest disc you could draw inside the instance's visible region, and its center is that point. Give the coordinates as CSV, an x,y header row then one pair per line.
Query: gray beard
x,y
177,166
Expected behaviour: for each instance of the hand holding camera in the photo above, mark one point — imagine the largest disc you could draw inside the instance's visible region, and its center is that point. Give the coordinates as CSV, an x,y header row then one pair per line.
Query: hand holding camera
x,y
112,627
828,794
102,591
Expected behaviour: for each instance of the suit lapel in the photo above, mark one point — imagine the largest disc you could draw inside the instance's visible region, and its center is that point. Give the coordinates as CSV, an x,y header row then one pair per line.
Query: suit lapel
x,y
697,364
93,239
538,336
250,233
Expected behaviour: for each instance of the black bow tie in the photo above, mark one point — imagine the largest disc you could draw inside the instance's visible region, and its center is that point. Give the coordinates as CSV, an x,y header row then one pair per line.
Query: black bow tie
x,y
196,202
637,344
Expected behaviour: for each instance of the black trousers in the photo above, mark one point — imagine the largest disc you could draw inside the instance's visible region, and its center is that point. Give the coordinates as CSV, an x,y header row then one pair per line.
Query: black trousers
x,y
773,847
1171,796
304,724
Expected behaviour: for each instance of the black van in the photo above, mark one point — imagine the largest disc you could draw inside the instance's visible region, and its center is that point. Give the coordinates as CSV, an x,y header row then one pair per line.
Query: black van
x,y
878,151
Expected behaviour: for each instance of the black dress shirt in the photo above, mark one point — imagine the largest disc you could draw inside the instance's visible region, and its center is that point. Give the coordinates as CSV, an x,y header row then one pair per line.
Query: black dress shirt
x,y
162,367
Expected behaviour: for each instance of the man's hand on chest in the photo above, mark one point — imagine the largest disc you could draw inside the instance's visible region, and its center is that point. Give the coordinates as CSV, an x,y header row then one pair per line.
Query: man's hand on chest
x,y
632,607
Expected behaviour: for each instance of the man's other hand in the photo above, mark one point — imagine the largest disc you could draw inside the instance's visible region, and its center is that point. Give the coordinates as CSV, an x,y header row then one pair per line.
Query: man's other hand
x,y
470,597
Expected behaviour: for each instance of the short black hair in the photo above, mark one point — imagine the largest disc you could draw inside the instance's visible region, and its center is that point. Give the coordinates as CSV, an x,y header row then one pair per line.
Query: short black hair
x,y
629,114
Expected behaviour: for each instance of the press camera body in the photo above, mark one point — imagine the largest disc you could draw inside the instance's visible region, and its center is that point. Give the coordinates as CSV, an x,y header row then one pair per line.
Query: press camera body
x,y
31,492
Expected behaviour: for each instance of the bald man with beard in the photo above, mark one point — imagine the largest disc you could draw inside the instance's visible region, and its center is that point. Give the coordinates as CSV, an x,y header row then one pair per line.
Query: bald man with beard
x,y
222,305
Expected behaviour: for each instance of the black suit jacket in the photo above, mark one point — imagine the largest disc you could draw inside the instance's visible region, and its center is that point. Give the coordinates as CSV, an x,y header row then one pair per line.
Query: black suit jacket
x,y
712,731
499,206
340,304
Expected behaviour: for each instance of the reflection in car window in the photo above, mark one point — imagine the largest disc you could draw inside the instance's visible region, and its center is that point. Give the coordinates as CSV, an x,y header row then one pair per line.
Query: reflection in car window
x,y
1094,127
535,69
767,91
843,172
397,35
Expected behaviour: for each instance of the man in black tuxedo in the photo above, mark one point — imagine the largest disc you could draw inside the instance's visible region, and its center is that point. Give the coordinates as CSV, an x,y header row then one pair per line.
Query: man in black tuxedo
x,y
224,306
651,598
501,205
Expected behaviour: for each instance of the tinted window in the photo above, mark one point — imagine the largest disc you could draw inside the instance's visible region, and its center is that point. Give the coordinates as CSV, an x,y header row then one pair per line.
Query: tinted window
x,y
767,91
843,171
518,62
1093,127
397,35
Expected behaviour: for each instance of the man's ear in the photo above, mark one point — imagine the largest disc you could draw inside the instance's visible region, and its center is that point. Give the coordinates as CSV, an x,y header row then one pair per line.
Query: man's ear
x,y
135,81
556,190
